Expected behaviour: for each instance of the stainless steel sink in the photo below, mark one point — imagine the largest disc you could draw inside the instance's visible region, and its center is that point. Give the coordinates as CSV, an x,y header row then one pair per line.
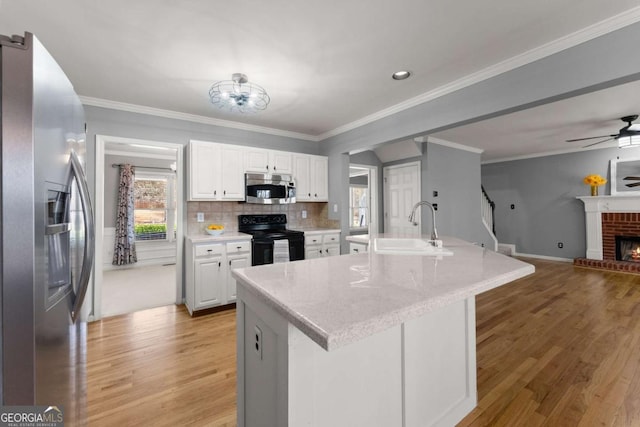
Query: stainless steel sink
x,y
409,246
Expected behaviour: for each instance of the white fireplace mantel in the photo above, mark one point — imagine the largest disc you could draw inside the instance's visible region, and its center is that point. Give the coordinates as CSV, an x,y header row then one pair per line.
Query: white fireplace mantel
x,y
594,207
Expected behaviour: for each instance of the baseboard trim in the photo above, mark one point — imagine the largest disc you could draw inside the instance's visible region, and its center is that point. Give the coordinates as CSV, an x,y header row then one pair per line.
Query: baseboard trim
x,y
544,257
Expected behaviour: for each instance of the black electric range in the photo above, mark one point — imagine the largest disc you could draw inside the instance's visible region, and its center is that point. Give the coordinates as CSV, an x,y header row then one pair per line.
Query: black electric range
x,y
267,228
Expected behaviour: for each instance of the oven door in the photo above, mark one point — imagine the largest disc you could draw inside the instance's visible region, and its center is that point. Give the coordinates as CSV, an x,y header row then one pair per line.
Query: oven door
x,y
262,250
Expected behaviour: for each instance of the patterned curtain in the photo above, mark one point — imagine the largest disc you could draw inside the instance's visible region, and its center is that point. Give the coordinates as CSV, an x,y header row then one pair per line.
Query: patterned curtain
x,y
124,251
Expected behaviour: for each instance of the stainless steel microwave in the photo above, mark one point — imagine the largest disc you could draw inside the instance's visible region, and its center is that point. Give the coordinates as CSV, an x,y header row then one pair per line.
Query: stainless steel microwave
x,y
269,189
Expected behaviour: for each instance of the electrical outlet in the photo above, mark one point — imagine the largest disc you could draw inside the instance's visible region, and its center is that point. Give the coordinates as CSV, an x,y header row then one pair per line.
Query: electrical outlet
x,y
200,217
258,341
560,245
513,206
435,206
435,193
304,214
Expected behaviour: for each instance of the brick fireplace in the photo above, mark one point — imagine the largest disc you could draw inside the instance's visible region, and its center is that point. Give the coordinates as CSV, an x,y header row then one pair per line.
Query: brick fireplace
x,y
608,217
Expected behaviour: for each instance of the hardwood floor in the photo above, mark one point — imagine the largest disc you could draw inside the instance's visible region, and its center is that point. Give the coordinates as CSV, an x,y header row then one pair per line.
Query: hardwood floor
x,y
559,348
160,367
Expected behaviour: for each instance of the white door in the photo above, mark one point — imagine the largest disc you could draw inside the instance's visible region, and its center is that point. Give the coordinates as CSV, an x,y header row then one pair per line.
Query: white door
x,y
401,192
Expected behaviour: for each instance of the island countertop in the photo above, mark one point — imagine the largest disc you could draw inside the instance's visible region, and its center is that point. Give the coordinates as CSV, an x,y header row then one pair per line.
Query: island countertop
x,y
342,299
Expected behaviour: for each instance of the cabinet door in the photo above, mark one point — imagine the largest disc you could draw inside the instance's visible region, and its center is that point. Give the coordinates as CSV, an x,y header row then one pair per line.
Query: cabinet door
x,y
357,248
332,250
301,175
256,160
281,162
204,169
320,178
208,282
232,173
313,252
235,261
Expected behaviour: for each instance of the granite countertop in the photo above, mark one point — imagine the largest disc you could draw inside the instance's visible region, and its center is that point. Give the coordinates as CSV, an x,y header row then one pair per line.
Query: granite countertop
x,y
358,238
342,299
226,236
318,230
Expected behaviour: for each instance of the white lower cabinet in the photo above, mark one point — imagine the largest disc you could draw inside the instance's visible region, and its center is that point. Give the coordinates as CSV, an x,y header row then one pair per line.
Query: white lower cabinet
x,y
208,276
358,248
238,256
207,290
318,245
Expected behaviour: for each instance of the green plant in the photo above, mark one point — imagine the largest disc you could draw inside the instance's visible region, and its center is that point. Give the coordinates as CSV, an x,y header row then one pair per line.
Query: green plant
x,y
150,228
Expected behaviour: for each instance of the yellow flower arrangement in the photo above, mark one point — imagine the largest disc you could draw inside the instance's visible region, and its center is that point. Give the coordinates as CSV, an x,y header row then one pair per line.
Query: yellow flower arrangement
x,y
594,180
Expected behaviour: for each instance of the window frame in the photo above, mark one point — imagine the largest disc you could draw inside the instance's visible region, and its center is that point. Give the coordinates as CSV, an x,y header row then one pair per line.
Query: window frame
x,y
170,203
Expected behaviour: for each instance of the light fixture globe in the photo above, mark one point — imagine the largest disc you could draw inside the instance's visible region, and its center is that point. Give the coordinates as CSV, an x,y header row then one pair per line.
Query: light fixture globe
x,y
238,94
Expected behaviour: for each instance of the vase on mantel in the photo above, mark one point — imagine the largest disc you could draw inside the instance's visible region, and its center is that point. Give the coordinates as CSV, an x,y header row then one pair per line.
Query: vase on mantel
x,y
594,190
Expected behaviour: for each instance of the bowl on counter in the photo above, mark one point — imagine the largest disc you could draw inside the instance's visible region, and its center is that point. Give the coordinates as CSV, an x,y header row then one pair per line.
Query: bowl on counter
x,y
214,229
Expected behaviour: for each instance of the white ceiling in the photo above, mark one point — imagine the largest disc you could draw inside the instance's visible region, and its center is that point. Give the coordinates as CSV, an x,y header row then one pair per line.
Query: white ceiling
x,y
326,64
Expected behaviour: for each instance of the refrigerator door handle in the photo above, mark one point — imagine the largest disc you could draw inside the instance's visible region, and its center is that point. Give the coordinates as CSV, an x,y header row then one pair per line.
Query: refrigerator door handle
x,y
89,229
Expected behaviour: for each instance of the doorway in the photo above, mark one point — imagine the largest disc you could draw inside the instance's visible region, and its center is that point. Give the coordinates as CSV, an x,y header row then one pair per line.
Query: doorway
x,y
401,192
156,278
363,199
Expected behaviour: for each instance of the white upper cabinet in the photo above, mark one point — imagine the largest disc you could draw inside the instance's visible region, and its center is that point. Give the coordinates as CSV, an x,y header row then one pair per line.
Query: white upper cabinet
x,y
320,178
204,166
311,175
267,161
215,171
232,172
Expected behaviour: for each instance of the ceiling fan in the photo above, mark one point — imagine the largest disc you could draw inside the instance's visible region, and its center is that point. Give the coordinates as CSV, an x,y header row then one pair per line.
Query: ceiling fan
x,y
627,136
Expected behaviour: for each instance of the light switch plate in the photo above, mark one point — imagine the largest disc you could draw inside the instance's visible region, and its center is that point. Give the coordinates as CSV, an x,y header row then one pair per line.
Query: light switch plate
x,y
200,217
304,214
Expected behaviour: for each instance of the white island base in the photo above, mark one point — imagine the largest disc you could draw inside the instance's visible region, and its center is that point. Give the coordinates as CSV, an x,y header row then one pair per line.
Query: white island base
x,y
421,372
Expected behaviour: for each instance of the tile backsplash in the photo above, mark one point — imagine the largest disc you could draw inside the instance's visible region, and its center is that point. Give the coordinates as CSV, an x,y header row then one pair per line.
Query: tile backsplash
x,y
226,213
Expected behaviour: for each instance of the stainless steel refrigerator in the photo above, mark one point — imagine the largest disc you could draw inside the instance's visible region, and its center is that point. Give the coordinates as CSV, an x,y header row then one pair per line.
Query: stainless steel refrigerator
x,y
46,230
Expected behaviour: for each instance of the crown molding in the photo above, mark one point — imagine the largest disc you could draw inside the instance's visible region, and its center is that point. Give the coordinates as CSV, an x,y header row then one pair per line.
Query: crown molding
x,y
547,153
141,109
596,30
454,145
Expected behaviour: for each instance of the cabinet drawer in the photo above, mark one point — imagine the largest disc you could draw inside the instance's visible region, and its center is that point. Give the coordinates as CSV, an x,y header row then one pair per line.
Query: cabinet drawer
x,y
331,238
314,239
238,247
206,250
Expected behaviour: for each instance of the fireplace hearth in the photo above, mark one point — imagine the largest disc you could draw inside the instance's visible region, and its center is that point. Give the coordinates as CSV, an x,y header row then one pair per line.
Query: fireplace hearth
x,y
608,217
628,248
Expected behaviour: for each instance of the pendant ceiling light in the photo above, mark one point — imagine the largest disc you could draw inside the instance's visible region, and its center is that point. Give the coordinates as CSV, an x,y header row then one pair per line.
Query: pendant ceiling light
x,y
238,94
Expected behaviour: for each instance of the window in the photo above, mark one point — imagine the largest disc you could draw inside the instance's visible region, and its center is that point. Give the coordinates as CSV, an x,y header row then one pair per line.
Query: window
x,y
155,207
359,206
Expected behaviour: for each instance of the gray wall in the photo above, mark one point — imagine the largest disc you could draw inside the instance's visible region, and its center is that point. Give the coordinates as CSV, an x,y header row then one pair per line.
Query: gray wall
x,y
543,191
455,175
104,121
584,68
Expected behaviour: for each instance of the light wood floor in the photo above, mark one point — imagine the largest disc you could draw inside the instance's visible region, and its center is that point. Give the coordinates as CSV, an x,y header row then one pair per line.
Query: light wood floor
x,y
559,348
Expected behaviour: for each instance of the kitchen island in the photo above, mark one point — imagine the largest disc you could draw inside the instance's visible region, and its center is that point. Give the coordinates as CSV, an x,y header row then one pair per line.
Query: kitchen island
x,y
363,340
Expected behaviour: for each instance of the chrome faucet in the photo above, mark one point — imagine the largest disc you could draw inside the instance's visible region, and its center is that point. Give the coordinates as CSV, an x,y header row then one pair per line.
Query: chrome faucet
x,y
412,217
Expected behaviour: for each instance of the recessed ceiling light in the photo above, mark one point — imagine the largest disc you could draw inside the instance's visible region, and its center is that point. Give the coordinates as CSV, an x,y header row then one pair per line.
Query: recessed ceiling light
x,y
401,75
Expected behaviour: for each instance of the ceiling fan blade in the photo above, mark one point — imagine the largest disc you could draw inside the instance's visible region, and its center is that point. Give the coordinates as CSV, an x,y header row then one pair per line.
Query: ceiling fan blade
x,y
635,184
631,178
591,137
596,143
